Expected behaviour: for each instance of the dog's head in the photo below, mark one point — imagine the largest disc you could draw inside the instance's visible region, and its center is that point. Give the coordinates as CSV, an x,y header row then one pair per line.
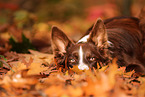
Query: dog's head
x,y
86,53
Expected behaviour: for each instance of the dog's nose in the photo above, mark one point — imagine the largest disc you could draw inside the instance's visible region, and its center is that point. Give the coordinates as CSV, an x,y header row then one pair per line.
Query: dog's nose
x,y
83,67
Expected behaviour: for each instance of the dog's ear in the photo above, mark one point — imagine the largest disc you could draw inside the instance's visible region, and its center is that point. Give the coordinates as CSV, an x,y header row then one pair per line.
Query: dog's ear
x,y
60,41
98,35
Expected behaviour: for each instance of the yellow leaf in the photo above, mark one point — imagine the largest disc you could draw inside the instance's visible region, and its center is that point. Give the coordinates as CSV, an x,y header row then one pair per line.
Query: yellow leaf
x,y
98,88
54,91
74,92
112,71
36,68
141,90
103,68
41,27
128,74
17,67
44,57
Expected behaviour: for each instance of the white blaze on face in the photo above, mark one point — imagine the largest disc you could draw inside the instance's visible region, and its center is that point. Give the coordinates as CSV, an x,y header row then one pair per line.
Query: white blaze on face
x,y
82,65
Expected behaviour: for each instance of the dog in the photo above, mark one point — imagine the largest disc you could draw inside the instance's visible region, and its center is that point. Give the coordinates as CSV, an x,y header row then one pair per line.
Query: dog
x,y
118,37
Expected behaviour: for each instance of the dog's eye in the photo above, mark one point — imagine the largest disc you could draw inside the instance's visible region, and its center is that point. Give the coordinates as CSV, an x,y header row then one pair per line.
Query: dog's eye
x,y
72,60
92,59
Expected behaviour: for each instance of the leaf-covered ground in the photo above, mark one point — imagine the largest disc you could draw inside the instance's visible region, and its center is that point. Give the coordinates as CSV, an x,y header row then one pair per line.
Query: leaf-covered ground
x,y
35,75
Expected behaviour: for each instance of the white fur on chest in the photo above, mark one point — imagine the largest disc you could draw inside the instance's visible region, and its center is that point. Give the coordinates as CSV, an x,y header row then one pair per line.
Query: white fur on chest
x,y
82,65
84,39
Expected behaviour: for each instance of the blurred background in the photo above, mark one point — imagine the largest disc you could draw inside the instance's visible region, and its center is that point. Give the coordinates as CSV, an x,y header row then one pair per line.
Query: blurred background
x,y
26,24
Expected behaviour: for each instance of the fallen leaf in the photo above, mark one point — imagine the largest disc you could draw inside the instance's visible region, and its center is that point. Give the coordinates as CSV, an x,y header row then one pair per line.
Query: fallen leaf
x,y
36,68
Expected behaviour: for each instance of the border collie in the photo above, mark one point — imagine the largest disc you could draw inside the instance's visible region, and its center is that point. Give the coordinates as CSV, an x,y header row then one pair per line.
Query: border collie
x,y
118,37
